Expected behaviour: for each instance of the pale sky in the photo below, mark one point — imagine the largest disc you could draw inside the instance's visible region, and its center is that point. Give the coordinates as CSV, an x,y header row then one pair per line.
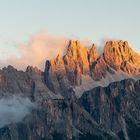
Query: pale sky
x,y
93,20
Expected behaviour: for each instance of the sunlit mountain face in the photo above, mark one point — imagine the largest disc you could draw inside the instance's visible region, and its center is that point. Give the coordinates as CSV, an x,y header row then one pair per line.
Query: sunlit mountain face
x,y
81,94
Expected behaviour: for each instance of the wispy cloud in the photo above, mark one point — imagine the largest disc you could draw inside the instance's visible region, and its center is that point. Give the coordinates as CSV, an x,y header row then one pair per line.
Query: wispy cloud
x,y
40,47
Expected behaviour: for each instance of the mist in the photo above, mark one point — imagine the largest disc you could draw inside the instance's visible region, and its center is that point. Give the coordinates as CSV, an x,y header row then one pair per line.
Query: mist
x,y
13,109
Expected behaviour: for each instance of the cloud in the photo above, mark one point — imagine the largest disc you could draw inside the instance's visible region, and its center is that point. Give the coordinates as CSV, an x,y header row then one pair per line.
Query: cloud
x,y
40,47
14,109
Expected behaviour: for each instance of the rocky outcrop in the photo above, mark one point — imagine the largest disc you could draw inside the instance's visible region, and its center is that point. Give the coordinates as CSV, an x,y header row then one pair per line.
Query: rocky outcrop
x,y
13,81
56,120
118,56
78,60
115,107
67,70
29,84
93,55
113,55
101,113
76,53
33,70
55,76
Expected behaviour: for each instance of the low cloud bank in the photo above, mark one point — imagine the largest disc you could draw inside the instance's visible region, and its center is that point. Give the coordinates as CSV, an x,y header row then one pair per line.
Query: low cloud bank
x,y
14,109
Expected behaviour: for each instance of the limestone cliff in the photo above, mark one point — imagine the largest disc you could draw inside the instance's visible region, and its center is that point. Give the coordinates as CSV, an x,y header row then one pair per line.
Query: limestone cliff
x,y
79,60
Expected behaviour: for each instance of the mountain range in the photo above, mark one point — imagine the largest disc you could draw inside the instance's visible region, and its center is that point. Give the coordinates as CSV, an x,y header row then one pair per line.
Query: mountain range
x,y
82,95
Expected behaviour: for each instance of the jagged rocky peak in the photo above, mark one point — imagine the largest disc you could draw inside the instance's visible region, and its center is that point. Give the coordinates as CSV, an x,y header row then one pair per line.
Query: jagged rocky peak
x,y
120,56
115,52
76,53
60,67
55,74
93,55
112,54
70,67
13,81
9,68
55,65
33,70
76,62
79,60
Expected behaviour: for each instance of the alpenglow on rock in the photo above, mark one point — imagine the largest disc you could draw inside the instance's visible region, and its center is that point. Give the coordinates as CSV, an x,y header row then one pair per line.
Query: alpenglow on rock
x,y
79,60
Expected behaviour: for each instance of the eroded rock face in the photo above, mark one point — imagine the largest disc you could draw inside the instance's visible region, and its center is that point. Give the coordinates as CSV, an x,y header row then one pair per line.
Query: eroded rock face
x,y
56,120
100,68
115,107
118,56
13,81
78,61
55,76
77,54
69,68
101,113
93,55
34,70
